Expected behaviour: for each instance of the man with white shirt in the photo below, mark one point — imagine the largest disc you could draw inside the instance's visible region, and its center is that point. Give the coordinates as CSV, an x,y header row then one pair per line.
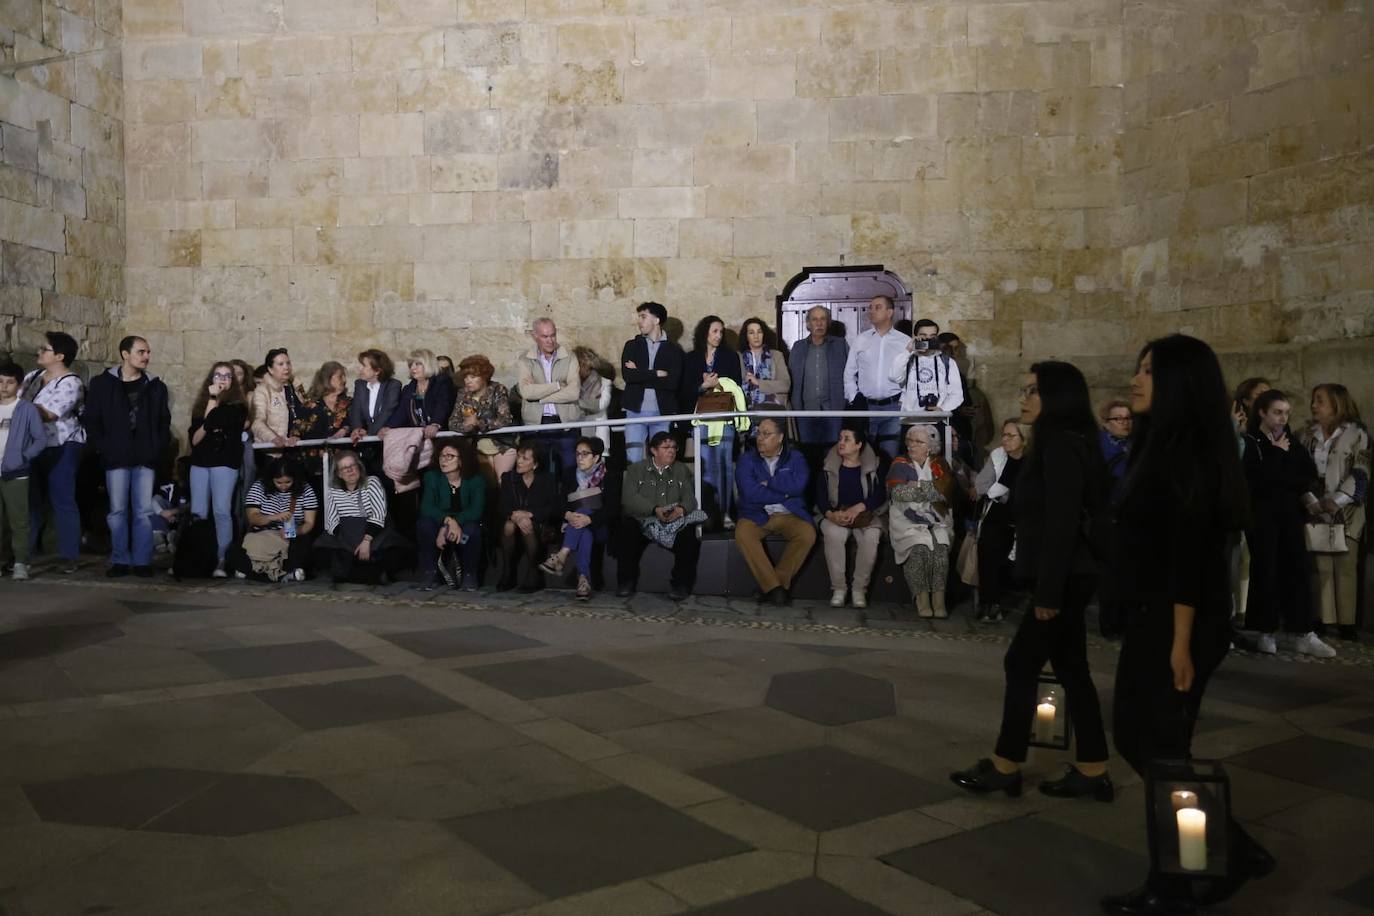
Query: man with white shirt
x,y
868,384
929,378
549,388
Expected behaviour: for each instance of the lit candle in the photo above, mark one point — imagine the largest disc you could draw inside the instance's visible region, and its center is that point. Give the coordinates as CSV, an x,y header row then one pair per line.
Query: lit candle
x,y
1192,838
1184,799
1044,721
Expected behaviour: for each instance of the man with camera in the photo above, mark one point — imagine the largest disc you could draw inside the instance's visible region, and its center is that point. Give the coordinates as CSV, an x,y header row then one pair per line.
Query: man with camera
x,y
929,378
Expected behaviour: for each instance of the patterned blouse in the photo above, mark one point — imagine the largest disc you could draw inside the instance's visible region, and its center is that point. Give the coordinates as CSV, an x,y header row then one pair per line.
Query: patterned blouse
x,y
63,398
491,408
316,420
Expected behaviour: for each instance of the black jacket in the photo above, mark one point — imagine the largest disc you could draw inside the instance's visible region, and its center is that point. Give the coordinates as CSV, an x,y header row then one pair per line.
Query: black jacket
x,y
1277,479
541,499
1062,486
438,402
694,367
387,398
636,380
123,438
222,446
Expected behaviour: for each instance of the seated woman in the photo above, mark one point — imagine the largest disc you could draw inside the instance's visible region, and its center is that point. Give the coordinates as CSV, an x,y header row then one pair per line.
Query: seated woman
x,y
483,406
282,517
996,528
357,545
593,498
528,507
449,530
920,521
851,498
426,400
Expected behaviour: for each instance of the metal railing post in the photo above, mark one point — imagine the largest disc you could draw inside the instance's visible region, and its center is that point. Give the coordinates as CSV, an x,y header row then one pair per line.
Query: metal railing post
x,y
696,463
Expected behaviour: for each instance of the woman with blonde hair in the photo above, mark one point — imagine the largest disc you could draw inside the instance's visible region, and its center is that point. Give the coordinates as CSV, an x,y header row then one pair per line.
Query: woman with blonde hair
x,y
426,400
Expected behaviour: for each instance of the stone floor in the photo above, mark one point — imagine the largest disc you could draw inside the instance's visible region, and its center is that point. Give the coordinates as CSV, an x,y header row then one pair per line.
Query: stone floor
x,y
232,748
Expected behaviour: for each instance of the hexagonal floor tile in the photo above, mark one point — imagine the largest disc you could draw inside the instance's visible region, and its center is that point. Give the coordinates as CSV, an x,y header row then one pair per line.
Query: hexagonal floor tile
x,y
127,800
831,696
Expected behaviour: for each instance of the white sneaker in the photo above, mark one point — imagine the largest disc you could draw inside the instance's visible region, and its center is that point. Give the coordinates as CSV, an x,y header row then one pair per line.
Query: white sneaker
x,y
21,572
1265,643
298,574
240,575
1311,644
837,598
858,598
219,572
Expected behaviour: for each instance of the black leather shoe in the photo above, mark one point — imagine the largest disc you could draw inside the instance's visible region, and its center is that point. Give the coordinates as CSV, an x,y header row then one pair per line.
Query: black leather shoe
x,y
678,593
779,597
983,777
116,571
625,590
1074,784
1145,902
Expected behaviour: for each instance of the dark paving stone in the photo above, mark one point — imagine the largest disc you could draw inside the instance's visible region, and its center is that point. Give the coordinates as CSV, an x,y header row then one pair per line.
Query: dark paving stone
x,y
1024,867
43,641
241,803
1331,765
808,897
1361,893
570,845
836,651
377,699
1275,689
459,641
126,800
164,607
824,787
831,696
552,677
286,658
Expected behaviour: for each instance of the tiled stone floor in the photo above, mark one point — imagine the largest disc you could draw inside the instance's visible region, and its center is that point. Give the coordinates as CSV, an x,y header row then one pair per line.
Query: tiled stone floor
x,y
229,748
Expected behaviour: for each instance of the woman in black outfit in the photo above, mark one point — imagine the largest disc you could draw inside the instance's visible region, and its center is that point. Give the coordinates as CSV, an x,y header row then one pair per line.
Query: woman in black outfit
x,y
218,418
528,509
996,530
1064,481
1175,523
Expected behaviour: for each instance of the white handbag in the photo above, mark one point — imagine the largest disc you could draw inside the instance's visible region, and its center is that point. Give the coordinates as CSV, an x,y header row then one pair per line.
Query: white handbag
x,y
1325,537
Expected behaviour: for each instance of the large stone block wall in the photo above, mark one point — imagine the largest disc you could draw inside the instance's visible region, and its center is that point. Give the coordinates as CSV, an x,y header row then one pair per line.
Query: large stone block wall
x,y
1248,183
330,175
61,175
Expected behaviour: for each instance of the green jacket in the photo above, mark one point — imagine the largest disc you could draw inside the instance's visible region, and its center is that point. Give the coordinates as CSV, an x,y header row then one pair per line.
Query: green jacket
x,y
647,488
435,501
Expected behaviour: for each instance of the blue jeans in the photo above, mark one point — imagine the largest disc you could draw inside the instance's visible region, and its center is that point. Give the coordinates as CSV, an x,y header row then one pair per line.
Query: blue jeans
x,y
884,433
469,552
52,477
818,430
130,487
214,487
718,468
637,434
580,541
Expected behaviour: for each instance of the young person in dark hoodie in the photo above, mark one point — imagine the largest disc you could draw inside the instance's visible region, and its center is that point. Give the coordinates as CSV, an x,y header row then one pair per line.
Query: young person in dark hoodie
x,y
128,421
22,440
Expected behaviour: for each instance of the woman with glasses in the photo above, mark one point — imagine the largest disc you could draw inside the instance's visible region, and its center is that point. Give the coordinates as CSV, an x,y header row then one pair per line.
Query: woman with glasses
x,y
996,529
591,502
276,402
216,437
1063,482
448,532
920,487
58,393
358,544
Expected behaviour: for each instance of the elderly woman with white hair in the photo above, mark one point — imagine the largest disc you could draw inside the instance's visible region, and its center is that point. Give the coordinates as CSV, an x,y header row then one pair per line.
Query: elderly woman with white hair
x,y
426,400
920,519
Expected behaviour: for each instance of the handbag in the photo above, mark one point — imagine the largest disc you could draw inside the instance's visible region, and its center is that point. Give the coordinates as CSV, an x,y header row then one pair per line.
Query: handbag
x,y
1324,537
717,400
967,564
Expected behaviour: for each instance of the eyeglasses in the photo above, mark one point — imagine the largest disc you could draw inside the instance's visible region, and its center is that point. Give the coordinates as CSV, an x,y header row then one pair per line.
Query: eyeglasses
x,y
346,467
583,453
448,456
45,349
228,376
1125,419
1030,391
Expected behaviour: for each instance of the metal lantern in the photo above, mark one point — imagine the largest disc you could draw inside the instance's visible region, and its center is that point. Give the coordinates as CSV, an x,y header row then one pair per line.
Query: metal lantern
x,y
1188,807
1051,726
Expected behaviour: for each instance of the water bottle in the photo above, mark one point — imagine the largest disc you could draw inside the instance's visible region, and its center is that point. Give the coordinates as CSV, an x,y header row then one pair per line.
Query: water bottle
x,y
289,529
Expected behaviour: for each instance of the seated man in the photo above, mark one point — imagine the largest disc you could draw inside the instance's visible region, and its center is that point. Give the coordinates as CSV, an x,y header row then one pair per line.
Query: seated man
x,y
772,482
658,503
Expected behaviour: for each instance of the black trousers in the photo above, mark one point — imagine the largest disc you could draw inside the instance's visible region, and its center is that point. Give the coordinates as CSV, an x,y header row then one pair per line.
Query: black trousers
x,y
1278,578
1153,721
630,544
995,537
1063,642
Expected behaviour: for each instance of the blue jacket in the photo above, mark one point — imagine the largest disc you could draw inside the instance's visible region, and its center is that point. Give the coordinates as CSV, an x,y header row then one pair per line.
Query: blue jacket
x,y
757,488
26,441
1113,453
836,353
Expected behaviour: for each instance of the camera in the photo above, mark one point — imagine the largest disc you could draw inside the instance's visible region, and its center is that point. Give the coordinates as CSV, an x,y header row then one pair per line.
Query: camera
x,y
928,401
918,344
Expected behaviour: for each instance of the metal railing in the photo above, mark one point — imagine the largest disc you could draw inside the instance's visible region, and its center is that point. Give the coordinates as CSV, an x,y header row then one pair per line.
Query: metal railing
x,y
909,418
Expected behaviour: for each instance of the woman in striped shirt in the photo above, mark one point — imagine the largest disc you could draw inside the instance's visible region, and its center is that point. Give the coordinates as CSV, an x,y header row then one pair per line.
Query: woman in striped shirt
x,y
357,544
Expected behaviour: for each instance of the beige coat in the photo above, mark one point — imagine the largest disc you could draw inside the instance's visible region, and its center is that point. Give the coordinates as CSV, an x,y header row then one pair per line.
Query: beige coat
x,y
563,392
271,416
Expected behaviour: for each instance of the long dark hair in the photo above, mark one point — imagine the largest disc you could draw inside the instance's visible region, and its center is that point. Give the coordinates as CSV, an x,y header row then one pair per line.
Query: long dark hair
x,y
282,466
1262,404
1187,438
1065,404
231,395
699,335
770,340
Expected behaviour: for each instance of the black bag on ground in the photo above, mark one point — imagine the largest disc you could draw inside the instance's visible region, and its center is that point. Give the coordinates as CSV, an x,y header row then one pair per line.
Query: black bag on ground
x,y
197,550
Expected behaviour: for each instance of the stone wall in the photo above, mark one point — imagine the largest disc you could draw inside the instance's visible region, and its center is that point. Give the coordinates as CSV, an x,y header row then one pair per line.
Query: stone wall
x,y
61,175
1248,185
332,175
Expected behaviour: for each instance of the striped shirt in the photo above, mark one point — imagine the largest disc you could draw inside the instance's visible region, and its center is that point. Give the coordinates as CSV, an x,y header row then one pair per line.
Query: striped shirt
x,y
368,501
277,501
